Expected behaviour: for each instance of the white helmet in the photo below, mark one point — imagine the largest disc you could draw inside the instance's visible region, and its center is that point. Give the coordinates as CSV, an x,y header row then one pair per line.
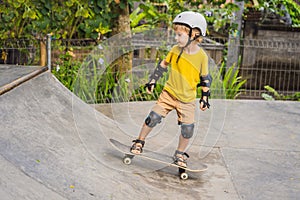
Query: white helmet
x,y
192,20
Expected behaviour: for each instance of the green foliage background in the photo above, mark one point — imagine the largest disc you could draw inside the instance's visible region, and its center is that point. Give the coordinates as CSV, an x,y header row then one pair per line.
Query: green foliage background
x,y
33,19
92,18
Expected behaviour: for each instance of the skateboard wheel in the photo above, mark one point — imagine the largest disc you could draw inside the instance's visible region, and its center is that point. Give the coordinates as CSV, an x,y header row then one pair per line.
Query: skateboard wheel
x,y
127,160
184,176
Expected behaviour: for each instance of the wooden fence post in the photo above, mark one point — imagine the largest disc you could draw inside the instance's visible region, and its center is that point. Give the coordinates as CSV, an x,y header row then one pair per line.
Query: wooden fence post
x,y
43,54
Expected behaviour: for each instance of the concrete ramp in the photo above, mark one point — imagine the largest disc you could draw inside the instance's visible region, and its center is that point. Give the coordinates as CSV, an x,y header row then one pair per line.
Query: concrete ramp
x,y
54,146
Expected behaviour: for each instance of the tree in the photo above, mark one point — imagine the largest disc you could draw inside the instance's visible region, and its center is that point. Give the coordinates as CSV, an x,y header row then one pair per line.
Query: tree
x,y
64,19
121,21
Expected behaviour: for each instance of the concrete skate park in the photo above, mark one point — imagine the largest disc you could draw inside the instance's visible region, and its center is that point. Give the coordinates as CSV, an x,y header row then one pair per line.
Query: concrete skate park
x,y
55,146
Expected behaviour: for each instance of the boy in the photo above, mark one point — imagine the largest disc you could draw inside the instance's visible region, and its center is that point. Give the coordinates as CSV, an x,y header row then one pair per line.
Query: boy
x,y
189,66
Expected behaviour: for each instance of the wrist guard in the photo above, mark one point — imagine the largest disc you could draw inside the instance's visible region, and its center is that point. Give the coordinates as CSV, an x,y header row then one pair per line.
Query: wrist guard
x,y
158,72
205,103
149,85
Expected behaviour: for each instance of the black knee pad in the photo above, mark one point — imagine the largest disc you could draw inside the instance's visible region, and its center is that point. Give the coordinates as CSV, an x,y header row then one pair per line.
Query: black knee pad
x,y
187,130
153,119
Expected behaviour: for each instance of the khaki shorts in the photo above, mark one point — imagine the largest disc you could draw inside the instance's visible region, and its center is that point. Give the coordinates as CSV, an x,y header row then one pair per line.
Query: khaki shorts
x,y
166,103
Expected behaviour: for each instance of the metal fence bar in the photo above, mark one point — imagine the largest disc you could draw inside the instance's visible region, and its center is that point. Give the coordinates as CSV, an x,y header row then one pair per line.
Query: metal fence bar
x,y
49,52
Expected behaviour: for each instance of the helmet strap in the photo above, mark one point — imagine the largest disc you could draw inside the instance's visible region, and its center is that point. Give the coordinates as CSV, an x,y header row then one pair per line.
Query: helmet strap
x,y
187,44
190,32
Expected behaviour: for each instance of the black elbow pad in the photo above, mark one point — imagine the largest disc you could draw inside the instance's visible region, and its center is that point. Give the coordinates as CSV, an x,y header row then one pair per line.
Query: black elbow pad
x,y
205,81
158,72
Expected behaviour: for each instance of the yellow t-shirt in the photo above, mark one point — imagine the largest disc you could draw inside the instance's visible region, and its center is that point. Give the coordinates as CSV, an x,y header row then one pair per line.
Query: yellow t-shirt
x,y
185,75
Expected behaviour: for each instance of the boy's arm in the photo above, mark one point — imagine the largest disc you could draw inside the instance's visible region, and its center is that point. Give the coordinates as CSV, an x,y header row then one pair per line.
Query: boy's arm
x,y
157,74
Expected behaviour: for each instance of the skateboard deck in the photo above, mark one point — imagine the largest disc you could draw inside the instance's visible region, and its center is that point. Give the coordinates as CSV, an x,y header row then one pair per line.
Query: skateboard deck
x,y
157,157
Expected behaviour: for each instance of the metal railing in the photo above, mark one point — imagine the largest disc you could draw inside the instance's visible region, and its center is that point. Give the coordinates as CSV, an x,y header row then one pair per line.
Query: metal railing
x,y
20,52
263,62
272,63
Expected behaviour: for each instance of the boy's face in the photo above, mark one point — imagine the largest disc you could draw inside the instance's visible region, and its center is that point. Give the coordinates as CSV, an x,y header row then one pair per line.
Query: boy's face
x,y
181,38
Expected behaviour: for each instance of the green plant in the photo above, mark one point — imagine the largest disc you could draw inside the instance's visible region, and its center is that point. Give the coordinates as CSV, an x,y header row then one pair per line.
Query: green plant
x,y
66,70
217,86
294,11
86,82
94,84
274,95
232,82
275,7
100,85
144,17
64,19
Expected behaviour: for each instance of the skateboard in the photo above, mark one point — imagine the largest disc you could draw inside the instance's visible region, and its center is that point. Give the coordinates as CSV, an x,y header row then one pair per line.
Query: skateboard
x,y
156,157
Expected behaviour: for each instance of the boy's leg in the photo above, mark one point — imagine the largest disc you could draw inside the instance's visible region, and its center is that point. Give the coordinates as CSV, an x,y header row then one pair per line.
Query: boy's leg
x,y
187,131
162,107
145,130
183,143
186,114
151,121
139,143
180,156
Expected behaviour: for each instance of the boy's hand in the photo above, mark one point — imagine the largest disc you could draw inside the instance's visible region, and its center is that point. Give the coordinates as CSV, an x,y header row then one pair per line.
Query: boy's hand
x,y
204,99
150,86
203,106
